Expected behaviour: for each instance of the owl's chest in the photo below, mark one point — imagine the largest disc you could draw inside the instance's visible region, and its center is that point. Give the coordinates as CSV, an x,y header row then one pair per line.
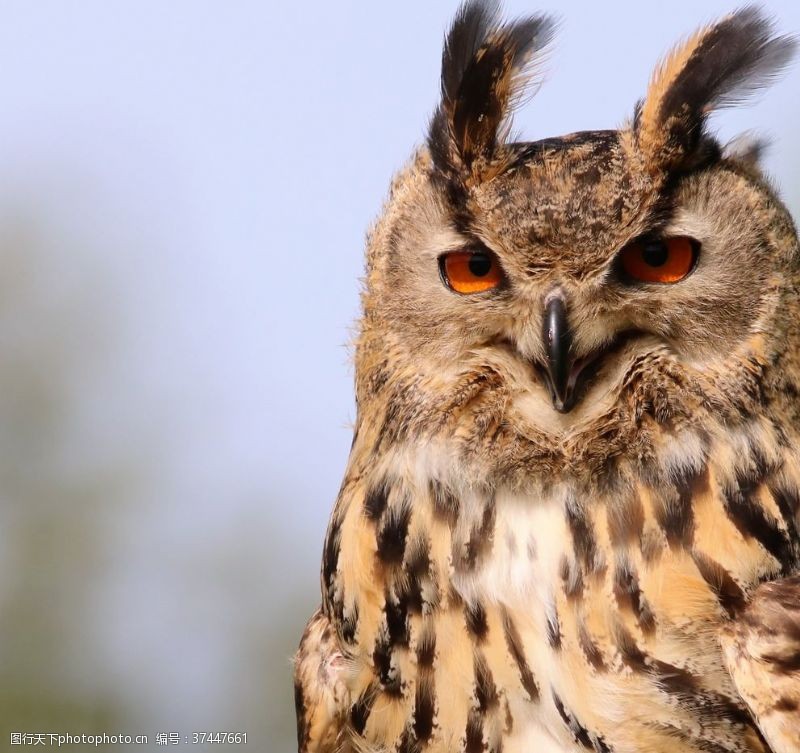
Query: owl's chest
x,y
566,619
607,612
523,553
520,582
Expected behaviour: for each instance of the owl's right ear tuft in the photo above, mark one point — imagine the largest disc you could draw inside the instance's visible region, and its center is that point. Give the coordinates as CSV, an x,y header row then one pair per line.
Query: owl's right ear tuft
x,y
487,66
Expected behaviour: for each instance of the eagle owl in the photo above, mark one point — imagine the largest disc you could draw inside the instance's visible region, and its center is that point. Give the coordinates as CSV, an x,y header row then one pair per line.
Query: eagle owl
x,y
570,517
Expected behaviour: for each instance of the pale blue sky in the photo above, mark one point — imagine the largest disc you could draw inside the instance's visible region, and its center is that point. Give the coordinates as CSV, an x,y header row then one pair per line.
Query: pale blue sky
x,y
221,163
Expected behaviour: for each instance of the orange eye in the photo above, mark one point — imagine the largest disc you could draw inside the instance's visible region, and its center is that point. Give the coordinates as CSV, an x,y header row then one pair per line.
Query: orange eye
x,y
470,271
662,260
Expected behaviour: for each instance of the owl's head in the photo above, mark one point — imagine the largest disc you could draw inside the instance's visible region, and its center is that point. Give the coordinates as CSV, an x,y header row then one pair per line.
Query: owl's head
x,y
563,293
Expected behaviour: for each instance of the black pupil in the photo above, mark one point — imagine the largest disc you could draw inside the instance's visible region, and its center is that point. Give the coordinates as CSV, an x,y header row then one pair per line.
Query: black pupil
x,y
480,264
655,253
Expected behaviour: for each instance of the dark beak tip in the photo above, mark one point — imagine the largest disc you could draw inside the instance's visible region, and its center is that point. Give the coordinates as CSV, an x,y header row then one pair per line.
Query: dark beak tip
x,y
563,403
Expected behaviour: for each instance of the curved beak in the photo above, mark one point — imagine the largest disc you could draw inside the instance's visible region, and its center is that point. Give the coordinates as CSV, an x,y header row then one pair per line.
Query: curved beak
x,y
558,343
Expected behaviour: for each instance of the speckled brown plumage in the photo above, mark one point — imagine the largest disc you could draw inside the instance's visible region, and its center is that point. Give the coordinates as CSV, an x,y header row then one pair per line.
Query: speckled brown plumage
x,y
617,574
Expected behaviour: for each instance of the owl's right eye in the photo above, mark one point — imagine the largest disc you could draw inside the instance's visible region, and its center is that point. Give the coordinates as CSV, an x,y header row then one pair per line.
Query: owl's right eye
x,y
470,271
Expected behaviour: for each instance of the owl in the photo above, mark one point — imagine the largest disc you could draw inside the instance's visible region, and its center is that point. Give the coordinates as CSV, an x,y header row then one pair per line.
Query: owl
x,y
570,520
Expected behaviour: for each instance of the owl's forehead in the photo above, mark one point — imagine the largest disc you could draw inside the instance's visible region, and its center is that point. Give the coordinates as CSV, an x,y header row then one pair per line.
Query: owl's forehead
x,y
568,202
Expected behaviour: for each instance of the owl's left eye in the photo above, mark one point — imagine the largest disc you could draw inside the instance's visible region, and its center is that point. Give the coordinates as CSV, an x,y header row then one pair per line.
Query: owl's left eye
x,y
470,271
664,260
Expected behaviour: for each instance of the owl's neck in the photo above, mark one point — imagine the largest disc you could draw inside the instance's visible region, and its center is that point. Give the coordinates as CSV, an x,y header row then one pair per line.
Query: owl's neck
x,y
406,505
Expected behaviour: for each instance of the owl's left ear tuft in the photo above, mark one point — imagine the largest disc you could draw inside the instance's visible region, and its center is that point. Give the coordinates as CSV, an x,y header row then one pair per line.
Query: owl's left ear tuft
x,y
487,66
718,66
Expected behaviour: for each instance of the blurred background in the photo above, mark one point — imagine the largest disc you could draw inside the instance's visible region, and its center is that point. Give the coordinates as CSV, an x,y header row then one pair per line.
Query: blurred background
x,y
184,191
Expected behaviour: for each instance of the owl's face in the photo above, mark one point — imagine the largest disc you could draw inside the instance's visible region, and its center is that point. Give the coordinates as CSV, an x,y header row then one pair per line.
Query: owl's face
x,y
575,280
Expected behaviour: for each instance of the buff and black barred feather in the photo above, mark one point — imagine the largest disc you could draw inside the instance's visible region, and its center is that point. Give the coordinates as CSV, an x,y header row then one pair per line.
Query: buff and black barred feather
x,y
762,653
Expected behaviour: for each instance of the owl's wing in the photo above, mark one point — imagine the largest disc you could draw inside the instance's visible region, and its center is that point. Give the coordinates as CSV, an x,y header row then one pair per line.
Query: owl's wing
x,y
762,653
320,694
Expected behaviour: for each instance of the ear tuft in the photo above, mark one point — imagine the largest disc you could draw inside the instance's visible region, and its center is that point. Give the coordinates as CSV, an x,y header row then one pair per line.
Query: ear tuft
x,y
720,65
486,68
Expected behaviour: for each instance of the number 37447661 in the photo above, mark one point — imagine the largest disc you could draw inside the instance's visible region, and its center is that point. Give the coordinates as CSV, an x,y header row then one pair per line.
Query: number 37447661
x,y
219,738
